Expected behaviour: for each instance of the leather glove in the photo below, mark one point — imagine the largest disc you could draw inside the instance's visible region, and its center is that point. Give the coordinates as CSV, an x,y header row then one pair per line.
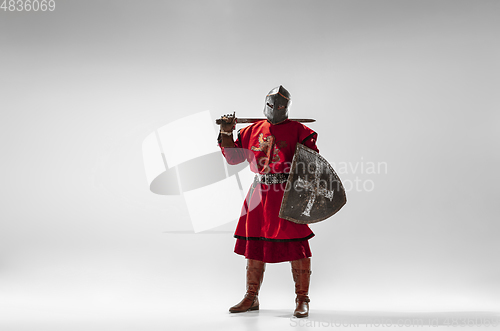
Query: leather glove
x,y
228,122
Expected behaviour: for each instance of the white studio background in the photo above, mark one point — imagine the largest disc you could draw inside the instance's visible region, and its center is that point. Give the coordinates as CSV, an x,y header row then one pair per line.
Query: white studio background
x,y
409,86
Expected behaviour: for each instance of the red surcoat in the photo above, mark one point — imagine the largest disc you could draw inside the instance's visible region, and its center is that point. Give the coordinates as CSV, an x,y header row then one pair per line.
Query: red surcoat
x,y
260,233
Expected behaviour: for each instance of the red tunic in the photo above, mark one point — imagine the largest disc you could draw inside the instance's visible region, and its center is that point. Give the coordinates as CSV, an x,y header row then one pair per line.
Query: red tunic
x,y
260,233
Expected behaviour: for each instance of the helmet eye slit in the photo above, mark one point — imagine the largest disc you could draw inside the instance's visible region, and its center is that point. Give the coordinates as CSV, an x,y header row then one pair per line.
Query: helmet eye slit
x,y
269,105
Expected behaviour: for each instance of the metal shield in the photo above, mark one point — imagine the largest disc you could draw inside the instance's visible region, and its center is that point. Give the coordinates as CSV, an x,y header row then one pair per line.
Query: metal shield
x,y
313,192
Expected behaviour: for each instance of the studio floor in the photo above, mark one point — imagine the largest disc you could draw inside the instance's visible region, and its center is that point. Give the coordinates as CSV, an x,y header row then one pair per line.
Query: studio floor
x,y
149,286
211,318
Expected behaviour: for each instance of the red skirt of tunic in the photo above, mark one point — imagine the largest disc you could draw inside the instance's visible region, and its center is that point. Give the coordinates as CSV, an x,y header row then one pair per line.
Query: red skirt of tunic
x,y
262,235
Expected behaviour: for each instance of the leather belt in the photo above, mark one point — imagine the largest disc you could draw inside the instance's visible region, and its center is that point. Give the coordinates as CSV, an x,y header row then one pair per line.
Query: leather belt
x,y
269,179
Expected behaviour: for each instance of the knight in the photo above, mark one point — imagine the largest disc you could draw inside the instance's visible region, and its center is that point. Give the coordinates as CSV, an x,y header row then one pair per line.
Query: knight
x,y
261,235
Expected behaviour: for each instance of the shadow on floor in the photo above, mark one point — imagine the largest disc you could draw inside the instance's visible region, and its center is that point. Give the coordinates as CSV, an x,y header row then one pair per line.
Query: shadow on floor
x,y
334,318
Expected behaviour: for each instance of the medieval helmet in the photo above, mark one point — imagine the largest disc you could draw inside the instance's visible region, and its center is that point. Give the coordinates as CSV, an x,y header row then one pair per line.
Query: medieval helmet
x,y
277,102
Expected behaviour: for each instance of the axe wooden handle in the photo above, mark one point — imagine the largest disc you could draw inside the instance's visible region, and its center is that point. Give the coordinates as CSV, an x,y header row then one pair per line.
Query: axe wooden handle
x,y
253,120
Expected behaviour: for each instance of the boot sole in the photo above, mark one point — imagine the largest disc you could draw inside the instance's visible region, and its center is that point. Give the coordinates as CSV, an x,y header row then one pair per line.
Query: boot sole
x,y
301,316
242,311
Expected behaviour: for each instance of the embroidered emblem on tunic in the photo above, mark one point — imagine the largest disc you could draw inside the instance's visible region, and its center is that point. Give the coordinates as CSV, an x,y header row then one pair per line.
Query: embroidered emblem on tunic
x,y
264,144
277,149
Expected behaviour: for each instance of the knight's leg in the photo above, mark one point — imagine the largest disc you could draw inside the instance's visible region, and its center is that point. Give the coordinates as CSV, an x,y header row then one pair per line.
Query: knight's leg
x,y
255,274
301,271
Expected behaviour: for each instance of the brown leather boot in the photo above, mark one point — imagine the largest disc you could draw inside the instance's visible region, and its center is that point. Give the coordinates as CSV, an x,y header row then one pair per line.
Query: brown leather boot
x,y
255,274
301,271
